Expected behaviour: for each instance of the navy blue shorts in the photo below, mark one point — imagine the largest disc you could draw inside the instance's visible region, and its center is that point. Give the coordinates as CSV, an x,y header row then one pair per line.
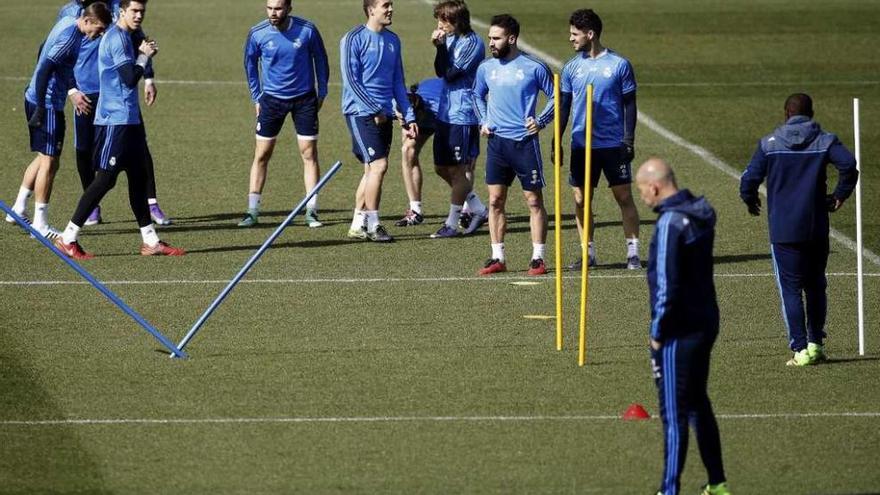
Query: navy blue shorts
x,y
369,142
84,127
47,139
604,160
303,110
119,146
506,159
456,144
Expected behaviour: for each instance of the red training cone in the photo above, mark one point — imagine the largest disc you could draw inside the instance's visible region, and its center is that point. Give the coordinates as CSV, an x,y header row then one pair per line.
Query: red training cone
x,y
635,412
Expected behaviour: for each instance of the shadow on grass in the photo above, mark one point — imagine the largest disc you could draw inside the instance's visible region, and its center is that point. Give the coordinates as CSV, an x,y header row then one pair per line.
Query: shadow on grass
x,y
740,258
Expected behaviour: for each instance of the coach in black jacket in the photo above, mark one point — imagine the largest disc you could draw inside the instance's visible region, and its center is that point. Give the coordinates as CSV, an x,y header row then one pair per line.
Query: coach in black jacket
x,y
794,159
684,321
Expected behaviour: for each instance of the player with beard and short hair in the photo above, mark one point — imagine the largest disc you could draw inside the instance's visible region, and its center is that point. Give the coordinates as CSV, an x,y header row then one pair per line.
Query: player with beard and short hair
x,y
506,95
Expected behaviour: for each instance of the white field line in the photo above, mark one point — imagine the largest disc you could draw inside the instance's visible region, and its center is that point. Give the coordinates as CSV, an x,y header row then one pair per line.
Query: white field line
x,y
390,280
404,419
701,152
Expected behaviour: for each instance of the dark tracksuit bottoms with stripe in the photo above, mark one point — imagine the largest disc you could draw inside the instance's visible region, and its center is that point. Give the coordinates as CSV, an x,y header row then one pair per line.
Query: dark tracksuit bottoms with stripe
x,y
685,320
794,160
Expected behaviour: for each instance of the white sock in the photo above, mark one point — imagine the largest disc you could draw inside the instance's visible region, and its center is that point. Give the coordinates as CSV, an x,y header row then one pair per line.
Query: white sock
x,y
254,201
71,233
20,204
498,251
632,247
372,220
149,235
474,203
152,201
538,251
41,216
454,215
312,204
416,206
357,220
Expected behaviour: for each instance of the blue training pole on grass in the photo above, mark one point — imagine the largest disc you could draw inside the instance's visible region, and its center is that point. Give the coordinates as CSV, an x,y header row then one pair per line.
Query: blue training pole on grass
x,y
250,263
98,285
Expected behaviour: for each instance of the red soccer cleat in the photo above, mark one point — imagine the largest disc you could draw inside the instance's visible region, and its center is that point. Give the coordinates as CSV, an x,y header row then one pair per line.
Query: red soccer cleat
x,y
72,250
537,267
493,265
161,249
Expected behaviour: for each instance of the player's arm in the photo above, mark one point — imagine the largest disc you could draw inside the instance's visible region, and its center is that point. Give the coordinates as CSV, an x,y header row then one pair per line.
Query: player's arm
x,y
751,180
252,67
401,98
131,71
352,75
479,92
61,50
545,82
669,240
461,65
847,174
322,65
630,111
150,89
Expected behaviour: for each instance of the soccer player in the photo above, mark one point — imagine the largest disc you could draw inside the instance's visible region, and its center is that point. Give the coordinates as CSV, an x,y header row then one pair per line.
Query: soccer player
x,y
424,98
793,160
511,81
684,322
87,86
284,57
614,126
372,77
44,108
120,133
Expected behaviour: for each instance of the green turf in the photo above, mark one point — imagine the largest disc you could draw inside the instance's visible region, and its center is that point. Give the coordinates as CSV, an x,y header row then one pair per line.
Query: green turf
x,y
327,330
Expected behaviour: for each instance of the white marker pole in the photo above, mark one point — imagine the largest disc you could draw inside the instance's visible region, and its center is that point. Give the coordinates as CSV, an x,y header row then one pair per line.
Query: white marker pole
x,y
859,269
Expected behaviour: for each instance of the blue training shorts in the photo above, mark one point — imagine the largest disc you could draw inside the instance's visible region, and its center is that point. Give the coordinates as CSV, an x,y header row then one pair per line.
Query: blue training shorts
x,y
604,160
506,159
119,146
47,139
369,142
303,110
456,144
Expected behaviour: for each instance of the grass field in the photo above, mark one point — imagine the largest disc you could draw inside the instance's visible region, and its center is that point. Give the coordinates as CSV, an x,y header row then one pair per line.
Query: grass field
x,y
345,367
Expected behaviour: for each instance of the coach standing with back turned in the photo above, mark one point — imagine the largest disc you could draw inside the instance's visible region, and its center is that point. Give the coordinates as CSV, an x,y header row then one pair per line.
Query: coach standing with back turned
x,y
794,159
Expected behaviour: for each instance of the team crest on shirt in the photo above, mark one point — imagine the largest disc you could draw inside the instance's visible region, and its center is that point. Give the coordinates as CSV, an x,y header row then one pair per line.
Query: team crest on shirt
x,y
520,75
579,73
607,73
270,45
297,43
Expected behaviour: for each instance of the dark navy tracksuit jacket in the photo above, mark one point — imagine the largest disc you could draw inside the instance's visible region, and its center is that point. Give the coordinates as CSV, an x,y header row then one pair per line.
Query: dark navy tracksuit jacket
x,y
794,160
684,318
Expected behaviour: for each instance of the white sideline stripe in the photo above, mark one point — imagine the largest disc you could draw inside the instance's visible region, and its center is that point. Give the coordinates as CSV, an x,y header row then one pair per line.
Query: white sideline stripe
x,y
403,419
19,283
703,153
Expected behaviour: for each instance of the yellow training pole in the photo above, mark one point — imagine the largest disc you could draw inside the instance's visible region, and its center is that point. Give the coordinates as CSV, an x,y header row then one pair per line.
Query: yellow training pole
x,y
585,254
557,210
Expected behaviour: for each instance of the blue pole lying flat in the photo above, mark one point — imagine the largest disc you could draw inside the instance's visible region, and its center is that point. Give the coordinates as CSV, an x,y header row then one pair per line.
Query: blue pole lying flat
x,y
98,285
250,263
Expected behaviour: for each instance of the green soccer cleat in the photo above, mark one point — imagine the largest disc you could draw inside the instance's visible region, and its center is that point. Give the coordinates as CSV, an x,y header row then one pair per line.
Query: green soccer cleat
x,y
719,489
800,358
816,353
250,218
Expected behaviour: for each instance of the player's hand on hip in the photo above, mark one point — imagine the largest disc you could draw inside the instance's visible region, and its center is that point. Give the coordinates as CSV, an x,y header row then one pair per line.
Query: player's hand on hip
x,y
37,117
81,103
150,93
149,48
532,126
486,131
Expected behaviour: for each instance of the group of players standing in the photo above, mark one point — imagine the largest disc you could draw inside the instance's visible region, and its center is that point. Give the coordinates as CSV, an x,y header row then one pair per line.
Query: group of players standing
x,y
287,70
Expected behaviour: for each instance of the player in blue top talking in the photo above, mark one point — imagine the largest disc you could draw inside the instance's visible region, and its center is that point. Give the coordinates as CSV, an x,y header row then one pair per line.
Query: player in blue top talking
x,y
284,58
614,125
121,141
506,95
44,107
372,85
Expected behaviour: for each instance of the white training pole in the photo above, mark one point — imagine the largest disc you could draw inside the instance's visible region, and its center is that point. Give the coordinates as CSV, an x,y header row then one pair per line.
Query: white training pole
x,y
859,270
